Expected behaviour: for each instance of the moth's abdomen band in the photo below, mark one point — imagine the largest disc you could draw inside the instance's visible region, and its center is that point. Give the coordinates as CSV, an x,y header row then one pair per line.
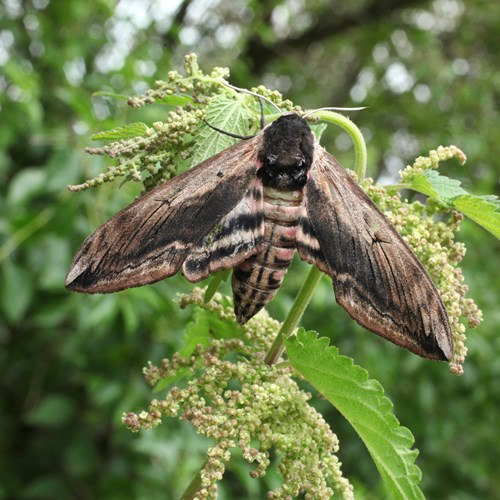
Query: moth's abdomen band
x,y
257,279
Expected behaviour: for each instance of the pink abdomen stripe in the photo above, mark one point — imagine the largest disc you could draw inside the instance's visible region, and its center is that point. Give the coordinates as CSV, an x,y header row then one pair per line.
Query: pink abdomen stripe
x,y
257,279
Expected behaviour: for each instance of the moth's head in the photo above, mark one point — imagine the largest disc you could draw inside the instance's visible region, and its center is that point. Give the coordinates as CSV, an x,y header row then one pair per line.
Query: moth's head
x,y
288,142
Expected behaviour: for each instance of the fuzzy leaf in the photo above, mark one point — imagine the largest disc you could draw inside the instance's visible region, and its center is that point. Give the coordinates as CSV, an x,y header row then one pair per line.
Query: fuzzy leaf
x,y
126,132
483,210
226,114
362,402
437,186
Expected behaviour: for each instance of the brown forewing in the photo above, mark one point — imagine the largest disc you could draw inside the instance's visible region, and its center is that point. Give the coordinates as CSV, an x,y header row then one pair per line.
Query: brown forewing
x,y
235,238
150,239
377,278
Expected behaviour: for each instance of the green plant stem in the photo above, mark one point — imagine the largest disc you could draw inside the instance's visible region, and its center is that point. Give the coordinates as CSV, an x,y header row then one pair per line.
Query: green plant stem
x,y
294,315
397,187
304,296
360,153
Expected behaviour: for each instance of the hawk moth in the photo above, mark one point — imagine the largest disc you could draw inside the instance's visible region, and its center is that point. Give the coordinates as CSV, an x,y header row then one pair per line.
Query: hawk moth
x,y
249,208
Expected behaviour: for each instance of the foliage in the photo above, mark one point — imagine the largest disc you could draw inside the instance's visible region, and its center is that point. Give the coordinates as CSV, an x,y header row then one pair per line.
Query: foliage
x,y
362,402
428,72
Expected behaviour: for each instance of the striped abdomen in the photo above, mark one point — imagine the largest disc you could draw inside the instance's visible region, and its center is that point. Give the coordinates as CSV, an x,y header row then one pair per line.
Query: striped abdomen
x,y
257,279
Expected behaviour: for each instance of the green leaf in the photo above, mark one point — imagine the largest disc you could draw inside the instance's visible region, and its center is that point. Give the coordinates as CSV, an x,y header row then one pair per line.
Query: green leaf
x,y
226,114
318,129
205,327
182,375
126,132
176,100
483,210
25,185
362,402
437,186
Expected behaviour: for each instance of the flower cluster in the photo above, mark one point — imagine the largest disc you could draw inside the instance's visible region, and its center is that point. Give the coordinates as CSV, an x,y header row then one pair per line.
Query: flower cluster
x,y
433,241
422,163
152,154
248,404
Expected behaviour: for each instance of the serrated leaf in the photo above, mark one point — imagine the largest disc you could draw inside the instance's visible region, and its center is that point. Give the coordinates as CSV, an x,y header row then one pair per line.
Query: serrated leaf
x,y
126,132
437,186
362,402
226,114
483,210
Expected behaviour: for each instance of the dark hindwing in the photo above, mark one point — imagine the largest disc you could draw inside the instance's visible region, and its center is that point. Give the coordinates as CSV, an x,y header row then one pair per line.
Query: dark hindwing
x,y
151,238
377,278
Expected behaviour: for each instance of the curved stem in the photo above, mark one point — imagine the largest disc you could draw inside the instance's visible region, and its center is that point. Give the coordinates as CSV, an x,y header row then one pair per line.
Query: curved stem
x,y
304,296
294,315
360,153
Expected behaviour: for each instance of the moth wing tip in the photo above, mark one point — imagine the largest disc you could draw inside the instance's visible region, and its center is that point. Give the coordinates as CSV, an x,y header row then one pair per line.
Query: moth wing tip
x,y
74,279
71,279
73,285
446,348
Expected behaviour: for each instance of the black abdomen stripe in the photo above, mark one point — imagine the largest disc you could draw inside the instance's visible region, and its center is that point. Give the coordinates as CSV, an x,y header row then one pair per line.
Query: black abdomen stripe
x,y
257,279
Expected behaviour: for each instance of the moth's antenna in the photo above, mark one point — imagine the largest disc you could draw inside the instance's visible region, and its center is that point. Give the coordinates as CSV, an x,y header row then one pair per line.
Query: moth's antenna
x,y
262,115
230,134
254,94
332,109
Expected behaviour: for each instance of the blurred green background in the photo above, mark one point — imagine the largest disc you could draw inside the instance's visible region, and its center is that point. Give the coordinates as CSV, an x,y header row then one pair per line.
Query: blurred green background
x,y
429,73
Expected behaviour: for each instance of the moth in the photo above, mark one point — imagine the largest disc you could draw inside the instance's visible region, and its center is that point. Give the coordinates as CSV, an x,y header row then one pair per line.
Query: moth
x,y
250,208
